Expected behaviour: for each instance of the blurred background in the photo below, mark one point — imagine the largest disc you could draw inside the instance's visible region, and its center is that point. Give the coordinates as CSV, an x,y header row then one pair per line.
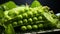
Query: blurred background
x,y
53,4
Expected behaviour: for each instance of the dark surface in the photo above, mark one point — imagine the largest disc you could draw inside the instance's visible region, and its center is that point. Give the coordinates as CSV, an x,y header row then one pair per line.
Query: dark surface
x,y
1,29
57,32
53,4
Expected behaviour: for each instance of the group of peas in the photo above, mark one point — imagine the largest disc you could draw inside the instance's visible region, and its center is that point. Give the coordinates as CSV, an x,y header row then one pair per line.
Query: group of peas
x,y
27,18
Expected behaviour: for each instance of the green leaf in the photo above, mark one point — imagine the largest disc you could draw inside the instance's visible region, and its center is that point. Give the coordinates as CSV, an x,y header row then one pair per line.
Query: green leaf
x,y
9,29
8,5
35,4
50,18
